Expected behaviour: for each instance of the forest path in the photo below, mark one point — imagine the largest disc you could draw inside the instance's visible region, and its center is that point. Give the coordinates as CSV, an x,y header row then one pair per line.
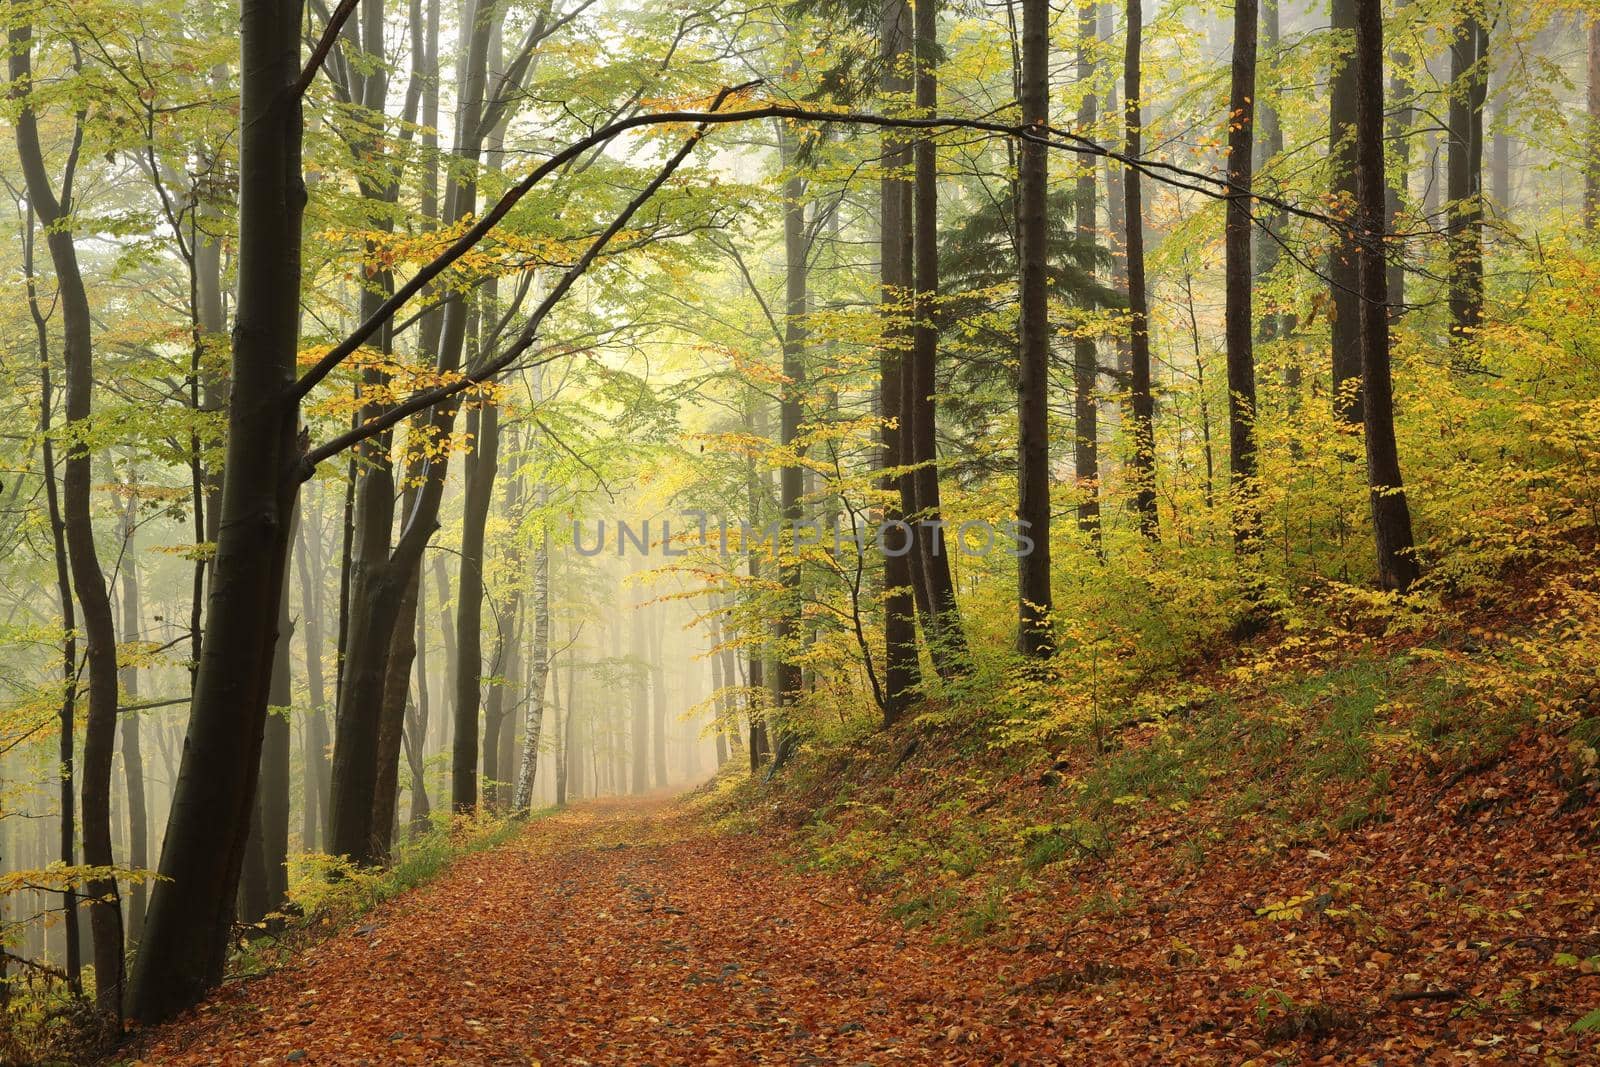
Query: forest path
x,y
618,932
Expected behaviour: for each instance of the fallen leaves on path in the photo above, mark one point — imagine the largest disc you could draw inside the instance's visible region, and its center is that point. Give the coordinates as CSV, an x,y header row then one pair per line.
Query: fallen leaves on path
x,y
631,932
619,932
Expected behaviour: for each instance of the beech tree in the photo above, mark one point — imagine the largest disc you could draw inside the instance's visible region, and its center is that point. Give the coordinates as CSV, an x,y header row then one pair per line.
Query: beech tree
x,y
53,208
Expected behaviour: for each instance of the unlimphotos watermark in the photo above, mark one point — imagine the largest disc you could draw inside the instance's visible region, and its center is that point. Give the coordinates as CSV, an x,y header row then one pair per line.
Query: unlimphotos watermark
x,y
892,537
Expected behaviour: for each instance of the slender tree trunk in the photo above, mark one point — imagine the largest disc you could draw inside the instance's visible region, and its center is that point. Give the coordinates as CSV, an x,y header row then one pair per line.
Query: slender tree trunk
x,y
396,702
1240,281
791,477
1500,164
68,717
1402,118
497,726
1033,380
901,673
640,734
563,727
1344,299
719,705
1273,324
315,826
355,769
756,424
186,931
132,755
273,794
659,711
88,580
533,721
1085,354
417,729
942,626
1391,517
1469,64
1140,401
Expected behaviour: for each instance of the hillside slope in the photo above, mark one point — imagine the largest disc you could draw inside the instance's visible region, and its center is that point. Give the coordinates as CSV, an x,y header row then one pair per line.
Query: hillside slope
x,y
1372,837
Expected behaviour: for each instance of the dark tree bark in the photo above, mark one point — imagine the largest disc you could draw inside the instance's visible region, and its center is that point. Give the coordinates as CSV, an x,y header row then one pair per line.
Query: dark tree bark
x,y
361,704
1140,401
902,675
270,826
1033,380
1391,517
186,932
1239,280
1085,354
88,580
67,817
791,477
391,729
1344,300
1469,84
942,621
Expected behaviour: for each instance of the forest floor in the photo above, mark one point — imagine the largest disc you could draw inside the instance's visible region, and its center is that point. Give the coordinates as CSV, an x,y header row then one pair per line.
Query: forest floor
x,y
618,932
640,932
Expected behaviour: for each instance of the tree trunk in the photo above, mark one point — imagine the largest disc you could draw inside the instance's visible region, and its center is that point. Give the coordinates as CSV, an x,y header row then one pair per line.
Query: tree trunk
x,y
66,752
539,663
563,726
1273,325
483,427
186,931
132,755
88,581
791,477
272,796
660,711
1085,354
1033,379
355,765
417,729
314,829
497,727
1344,299
1391,517
901,673
942,625
755,424
1401,119
1469,47
1240,281
392,727
1140,400
719,704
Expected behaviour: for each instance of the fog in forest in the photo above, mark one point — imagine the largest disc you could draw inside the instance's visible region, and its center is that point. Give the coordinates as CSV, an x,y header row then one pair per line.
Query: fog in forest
x,y
417,417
